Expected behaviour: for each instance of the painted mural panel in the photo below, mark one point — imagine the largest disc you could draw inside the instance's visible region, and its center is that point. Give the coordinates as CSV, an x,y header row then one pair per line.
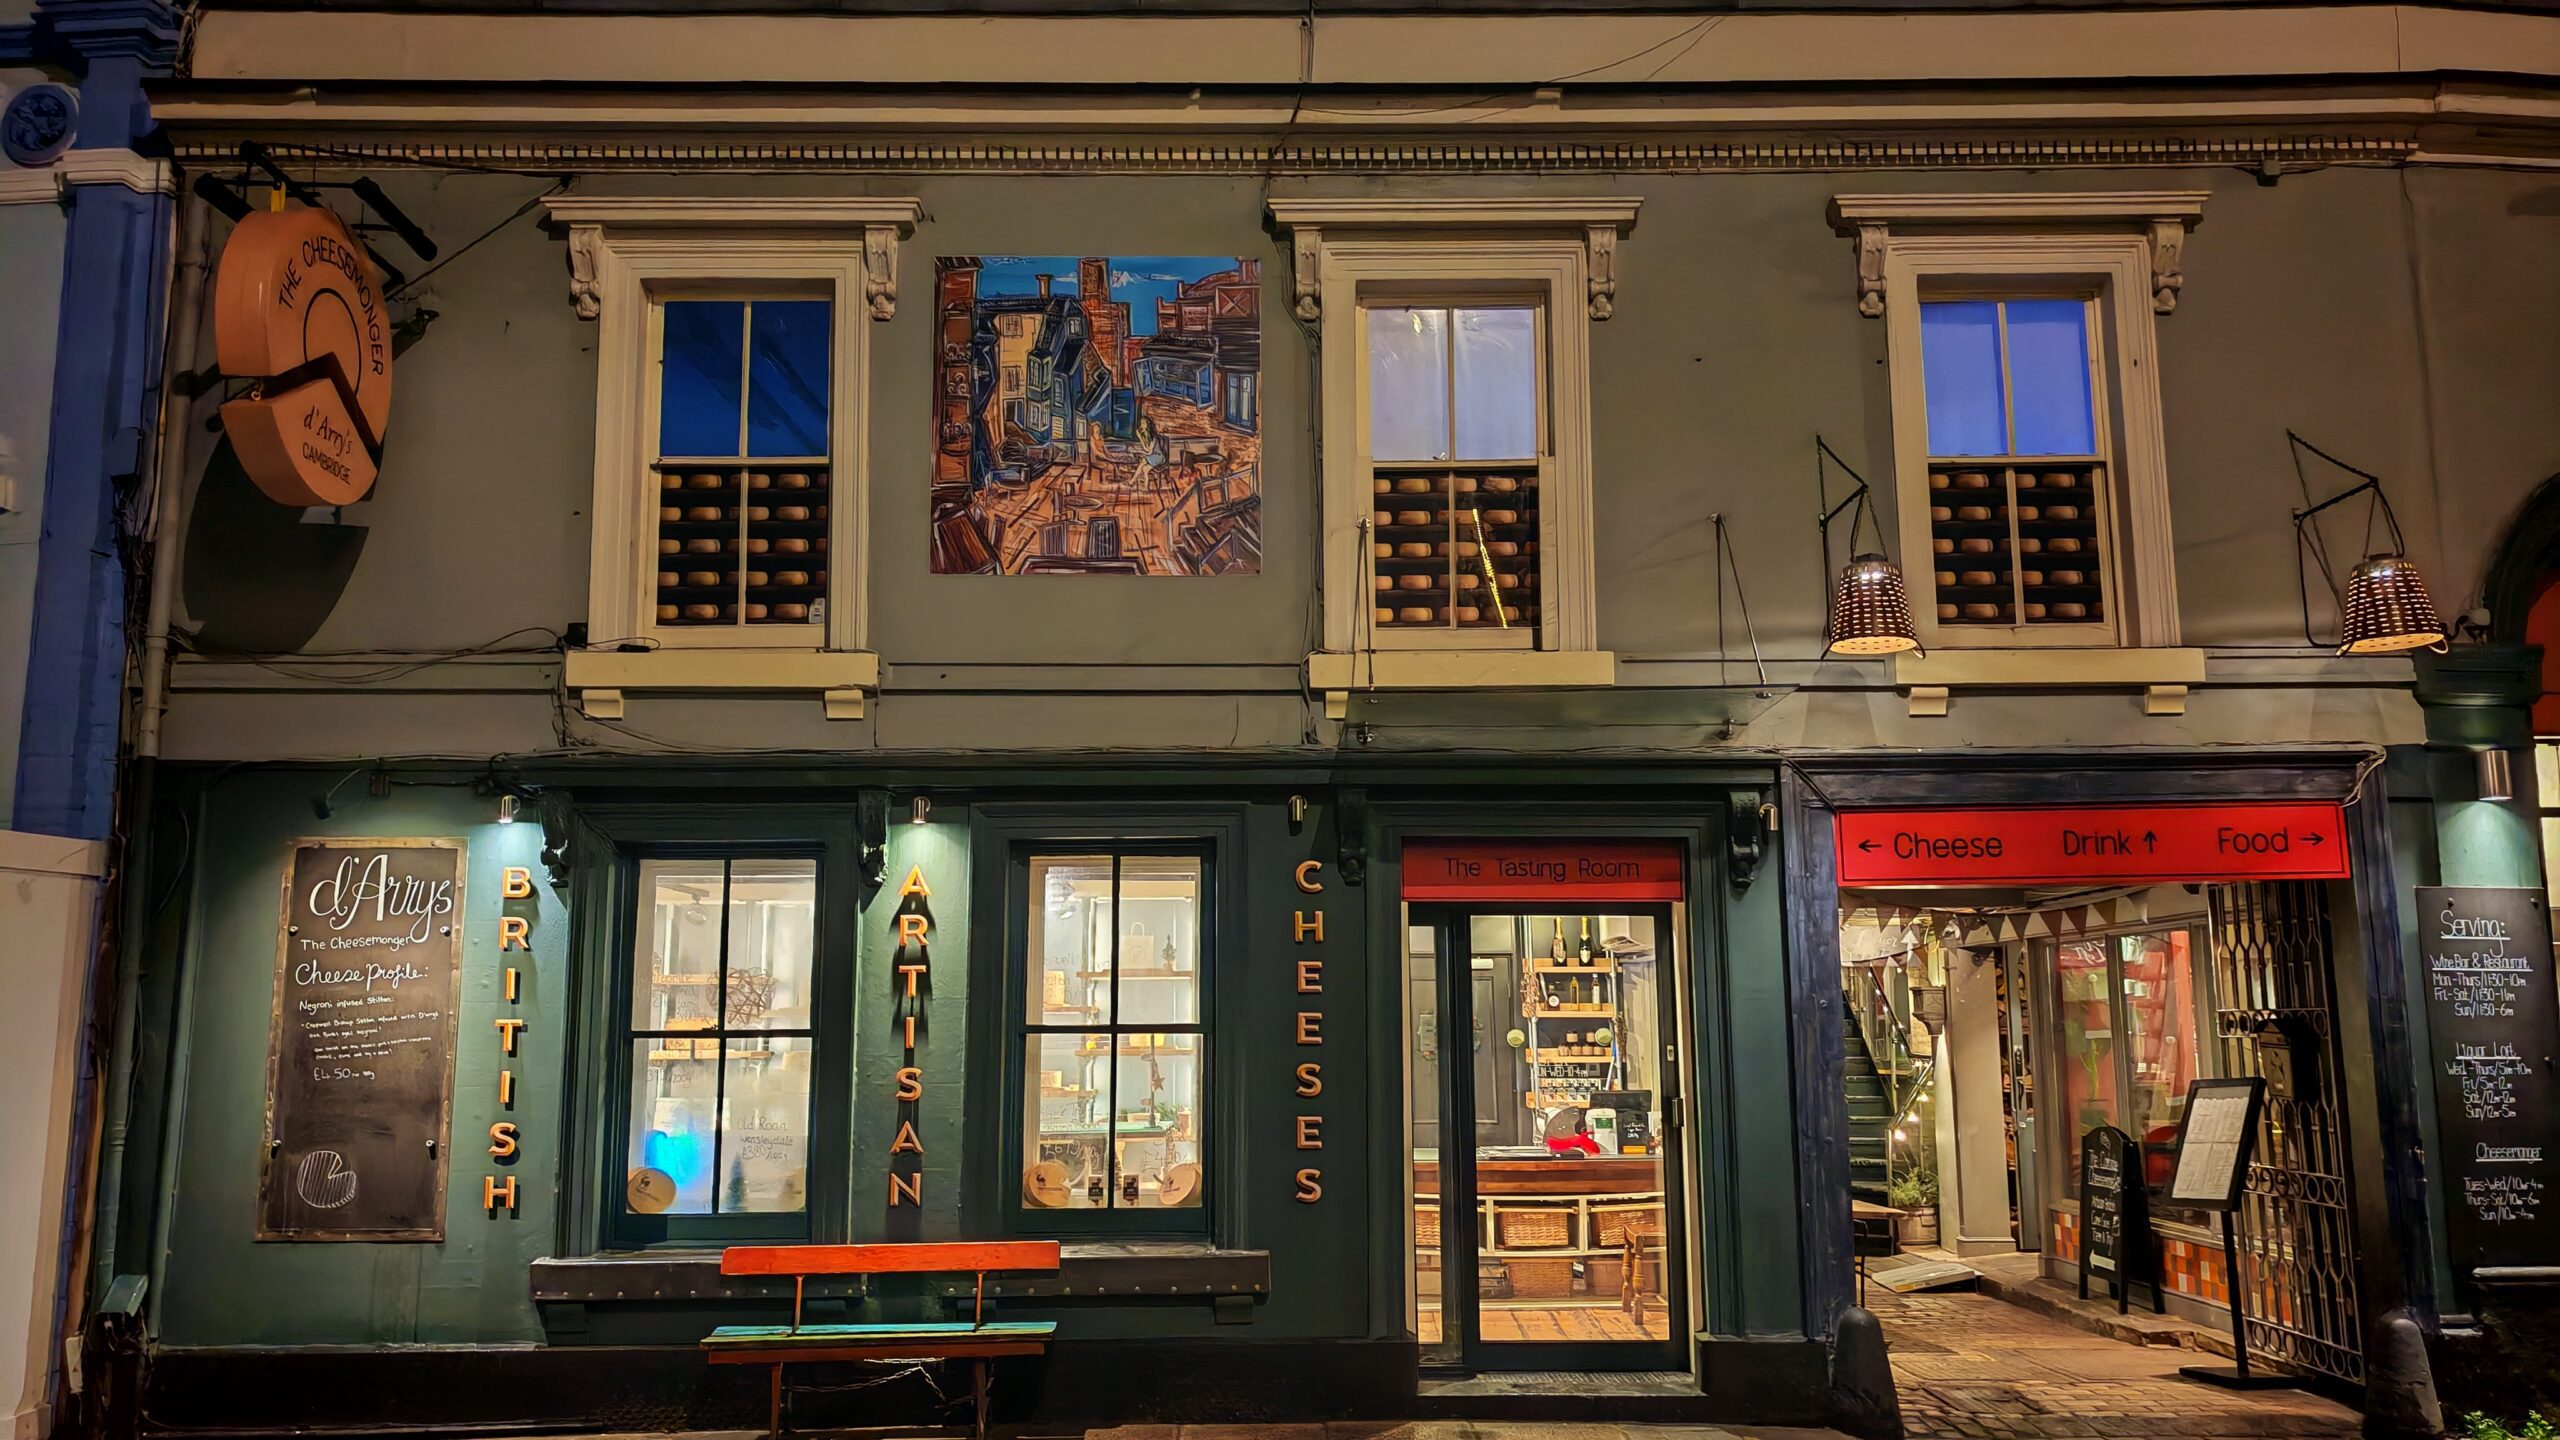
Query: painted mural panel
x,y
1097,415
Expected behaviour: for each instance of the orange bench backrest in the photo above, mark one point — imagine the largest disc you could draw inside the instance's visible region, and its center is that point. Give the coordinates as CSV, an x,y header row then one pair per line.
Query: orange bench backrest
x,y
918,1258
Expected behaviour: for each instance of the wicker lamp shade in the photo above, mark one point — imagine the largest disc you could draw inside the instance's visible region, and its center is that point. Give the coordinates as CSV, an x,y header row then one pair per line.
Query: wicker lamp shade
x,y
1871,610
2388,609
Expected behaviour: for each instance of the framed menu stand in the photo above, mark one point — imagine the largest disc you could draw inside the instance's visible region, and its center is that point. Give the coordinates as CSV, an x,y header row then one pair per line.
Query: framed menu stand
x,y
2212,1166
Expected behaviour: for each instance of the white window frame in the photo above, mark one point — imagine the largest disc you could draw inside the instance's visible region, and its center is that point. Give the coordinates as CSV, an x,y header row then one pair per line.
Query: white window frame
x,y
2120,251
627,255
1557,255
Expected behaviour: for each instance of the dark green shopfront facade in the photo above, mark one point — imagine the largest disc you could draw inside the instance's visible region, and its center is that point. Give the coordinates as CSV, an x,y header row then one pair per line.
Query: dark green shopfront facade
x,y
1262,1301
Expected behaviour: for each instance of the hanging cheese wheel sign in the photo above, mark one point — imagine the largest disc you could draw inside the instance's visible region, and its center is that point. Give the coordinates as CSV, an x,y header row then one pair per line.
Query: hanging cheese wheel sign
x,y
296,308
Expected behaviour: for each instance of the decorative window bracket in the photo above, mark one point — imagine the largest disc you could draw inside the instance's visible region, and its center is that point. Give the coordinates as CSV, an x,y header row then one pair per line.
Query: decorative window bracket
x,y
881,222
1598,219
2162,216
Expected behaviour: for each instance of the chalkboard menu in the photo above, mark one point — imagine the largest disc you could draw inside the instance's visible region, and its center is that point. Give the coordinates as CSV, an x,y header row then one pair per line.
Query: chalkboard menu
x,y
2493,1024
360,1044
2115,1217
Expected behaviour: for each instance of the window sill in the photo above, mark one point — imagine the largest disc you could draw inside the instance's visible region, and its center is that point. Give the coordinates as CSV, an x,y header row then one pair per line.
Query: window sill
x,y
2163,676
1096,1268
601,678
1335,674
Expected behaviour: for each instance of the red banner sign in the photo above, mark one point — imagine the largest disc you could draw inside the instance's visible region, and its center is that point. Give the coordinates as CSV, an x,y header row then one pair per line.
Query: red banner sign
x,y
2104,843
1626,871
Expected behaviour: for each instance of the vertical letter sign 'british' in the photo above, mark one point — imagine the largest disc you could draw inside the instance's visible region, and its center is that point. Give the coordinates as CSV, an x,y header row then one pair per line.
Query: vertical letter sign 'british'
x,y
297,311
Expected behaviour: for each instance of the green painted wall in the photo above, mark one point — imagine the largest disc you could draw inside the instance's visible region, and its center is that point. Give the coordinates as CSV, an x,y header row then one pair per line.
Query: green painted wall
x,y
1336,1263
218,1285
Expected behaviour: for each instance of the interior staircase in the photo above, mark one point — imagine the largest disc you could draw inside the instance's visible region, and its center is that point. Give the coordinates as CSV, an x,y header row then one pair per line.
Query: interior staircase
x,y
1870,1114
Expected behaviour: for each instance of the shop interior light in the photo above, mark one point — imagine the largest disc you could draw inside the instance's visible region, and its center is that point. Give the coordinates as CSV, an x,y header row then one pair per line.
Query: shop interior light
x,y
2497,775
2385,609
1870,606
919,811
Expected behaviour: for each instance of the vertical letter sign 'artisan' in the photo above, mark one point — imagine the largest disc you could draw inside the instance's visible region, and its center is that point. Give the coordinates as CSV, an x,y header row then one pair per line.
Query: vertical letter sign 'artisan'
x,y
297,310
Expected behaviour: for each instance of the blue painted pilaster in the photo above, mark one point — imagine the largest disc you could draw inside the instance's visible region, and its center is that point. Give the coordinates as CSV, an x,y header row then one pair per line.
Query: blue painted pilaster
x,y
106,395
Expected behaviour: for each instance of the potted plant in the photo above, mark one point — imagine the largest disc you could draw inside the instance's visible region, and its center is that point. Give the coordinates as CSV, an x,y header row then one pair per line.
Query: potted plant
x,y
1915,1194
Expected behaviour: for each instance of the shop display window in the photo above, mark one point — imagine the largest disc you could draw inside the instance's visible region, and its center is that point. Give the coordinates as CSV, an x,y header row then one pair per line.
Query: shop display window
x,y
2019,490
742,463
721,1033
1112,1039
2135,1024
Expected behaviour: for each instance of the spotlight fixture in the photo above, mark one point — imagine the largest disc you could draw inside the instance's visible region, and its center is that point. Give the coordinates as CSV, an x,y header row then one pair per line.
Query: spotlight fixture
x,y
919,811
507,807
1869,610
2386,609
2497,775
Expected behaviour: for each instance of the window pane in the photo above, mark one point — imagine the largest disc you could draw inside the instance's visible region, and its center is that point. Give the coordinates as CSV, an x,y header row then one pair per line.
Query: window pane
x,y
2049,377
676,964
773,907
1960,372
764,1139
698,376
674,1092
2084,1008
1497,389
1408,384
1159,940
787,378
1070,940
1066,1139
2161,1040
2551,857
1158,1099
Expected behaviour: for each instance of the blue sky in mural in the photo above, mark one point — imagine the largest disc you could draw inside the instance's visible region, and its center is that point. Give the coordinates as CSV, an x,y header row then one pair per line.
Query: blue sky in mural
x,y
1140,280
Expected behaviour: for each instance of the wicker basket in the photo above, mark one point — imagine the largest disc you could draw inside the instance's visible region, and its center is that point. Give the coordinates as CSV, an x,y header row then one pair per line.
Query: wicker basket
x,y
1609,1223
1426,1226
1540,1279
1534,1229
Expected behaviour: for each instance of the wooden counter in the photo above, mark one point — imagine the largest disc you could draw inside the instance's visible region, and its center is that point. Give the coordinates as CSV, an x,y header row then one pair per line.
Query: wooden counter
x,y
1582,1175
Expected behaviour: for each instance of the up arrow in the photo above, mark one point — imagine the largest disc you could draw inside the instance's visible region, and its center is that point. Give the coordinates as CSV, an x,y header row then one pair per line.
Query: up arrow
x,y
2151,841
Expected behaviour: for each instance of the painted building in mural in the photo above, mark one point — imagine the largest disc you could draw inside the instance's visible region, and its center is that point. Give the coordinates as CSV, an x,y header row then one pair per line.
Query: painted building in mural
x,y
976,659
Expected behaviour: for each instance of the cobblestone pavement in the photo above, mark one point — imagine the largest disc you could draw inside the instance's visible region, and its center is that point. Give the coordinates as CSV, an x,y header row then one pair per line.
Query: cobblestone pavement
x,y
1969,1367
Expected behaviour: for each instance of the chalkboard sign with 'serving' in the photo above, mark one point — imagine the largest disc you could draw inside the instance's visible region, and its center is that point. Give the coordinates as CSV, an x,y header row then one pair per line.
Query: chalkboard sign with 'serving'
x,y
2115,1218
2494,1027
360,1044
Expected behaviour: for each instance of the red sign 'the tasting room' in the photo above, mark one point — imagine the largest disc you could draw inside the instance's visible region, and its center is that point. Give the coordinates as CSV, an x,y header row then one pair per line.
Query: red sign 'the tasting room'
x,y
2093,842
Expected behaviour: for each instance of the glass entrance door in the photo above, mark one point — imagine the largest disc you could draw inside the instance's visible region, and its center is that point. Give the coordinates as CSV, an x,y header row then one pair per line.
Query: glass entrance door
x,y
1548,1230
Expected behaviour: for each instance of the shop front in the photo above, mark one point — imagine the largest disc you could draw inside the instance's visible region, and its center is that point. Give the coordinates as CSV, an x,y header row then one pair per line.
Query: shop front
x,y
596,1023
2047,973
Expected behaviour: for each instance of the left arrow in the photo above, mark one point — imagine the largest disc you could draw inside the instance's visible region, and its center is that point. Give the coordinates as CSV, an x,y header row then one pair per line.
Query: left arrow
x,y
1866,844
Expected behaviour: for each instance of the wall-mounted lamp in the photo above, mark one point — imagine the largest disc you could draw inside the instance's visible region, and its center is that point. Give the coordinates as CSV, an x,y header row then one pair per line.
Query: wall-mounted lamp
x,y
1297,809
1869,610
920,811
507,807
2497,774
2386,609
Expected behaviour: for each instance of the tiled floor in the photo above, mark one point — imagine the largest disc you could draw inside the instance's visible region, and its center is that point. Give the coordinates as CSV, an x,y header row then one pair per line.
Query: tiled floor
x,y
1505,1323
1969,1367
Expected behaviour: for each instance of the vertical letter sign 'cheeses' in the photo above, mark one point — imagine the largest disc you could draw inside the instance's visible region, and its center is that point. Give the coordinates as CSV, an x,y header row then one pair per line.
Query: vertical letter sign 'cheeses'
x,y
296,309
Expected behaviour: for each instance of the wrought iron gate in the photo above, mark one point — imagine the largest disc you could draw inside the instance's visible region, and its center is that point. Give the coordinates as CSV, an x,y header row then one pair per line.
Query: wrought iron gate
x,y
2271,963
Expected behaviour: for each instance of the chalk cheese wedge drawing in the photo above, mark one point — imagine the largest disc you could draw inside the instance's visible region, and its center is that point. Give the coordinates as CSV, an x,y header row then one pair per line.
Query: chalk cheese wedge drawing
x,y
324,1180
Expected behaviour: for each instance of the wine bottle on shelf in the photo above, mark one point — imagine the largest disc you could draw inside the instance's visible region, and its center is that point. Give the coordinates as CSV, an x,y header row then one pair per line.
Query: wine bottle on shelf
x,y
1584,959
1577,992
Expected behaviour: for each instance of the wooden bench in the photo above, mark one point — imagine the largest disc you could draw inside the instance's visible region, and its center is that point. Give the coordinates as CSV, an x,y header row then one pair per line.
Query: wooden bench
x,y
975,1340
